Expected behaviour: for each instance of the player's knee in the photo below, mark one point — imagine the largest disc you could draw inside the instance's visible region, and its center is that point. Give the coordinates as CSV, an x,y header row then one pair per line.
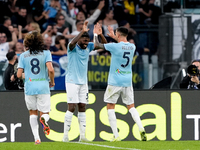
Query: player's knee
x,y
71,107
130,106
81,107
110,106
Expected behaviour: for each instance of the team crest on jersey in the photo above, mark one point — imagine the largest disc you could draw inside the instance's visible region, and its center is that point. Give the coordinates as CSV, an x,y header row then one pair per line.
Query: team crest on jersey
x,y
70,98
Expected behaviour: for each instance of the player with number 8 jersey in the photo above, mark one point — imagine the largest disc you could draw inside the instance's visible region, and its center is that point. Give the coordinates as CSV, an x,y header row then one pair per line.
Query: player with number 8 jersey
x,y
36,72
36,63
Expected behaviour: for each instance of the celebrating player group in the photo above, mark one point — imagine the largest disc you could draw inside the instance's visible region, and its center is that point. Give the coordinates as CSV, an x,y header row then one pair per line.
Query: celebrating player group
x,y
35,67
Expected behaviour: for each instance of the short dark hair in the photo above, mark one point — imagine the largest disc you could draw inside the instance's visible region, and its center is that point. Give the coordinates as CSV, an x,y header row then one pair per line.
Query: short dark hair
x,y
123,23
196,60
24,30
5,18
123,31
58,16
58,38
85,34
70,1
10,55
22,7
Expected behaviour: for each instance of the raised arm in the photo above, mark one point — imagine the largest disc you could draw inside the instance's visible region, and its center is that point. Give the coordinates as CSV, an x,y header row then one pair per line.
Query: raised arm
x,y
14,37
20,32
73,42
98,31
111,33
70,20
96,13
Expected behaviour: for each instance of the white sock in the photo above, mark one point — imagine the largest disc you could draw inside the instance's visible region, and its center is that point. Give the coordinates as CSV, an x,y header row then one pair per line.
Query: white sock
x,y
67,122
136,118
34,126
46,117
113,122
82,123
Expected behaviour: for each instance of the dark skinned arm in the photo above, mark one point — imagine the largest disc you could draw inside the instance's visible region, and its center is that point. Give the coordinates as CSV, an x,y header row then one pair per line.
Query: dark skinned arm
x,y
76,38
98,32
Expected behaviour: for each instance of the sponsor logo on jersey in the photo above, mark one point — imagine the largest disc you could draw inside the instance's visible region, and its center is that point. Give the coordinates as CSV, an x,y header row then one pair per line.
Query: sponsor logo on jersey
x,y
122,72
38,79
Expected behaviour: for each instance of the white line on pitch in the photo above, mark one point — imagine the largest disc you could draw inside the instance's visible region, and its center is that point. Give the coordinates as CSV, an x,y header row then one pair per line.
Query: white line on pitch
x,y
106,146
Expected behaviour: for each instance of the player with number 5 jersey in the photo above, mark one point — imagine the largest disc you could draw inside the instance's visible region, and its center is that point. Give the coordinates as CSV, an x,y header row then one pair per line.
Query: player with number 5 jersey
x,y
120,73
120,78
36,65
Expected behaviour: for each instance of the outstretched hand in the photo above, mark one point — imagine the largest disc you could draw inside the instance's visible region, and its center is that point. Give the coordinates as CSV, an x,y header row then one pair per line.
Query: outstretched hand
x,y
85,29
111,32
97,29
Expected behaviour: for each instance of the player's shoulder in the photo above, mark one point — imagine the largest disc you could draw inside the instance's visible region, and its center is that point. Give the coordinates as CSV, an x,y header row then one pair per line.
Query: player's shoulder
x,y
24,53
46,52
128,43
90,43
112,43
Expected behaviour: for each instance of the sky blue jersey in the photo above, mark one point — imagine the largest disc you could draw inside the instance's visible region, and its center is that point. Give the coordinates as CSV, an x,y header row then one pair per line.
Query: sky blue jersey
x,y
120,73
78,64
36,72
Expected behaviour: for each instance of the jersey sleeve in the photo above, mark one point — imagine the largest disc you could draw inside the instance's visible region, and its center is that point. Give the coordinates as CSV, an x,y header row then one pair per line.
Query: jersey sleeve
x,y
109,46
48,56
68,49
21,64
91,46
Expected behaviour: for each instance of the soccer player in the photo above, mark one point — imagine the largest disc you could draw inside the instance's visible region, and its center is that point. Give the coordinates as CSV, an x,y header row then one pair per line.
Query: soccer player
x,y
36,63
76,79
120,78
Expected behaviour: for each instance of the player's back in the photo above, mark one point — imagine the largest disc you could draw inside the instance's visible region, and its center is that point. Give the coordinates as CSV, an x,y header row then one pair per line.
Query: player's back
x,y
120,73
36,73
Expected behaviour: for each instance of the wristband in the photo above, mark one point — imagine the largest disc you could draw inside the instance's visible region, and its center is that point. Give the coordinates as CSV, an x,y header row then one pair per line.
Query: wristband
x,y
95,34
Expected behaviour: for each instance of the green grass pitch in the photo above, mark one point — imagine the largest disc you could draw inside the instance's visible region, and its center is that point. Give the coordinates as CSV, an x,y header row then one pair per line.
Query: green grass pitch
x,y
122,145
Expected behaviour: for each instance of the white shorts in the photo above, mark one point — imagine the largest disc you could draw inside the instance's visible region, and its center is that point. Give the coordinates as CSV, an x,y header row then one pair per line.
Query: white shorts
x,y
77,93
113,92
39,102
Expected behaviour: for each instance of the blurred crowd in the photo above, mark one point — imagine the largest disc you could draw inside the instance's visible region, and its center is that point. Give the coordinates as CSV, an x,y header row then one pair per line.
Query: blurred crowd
x,y
61,20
